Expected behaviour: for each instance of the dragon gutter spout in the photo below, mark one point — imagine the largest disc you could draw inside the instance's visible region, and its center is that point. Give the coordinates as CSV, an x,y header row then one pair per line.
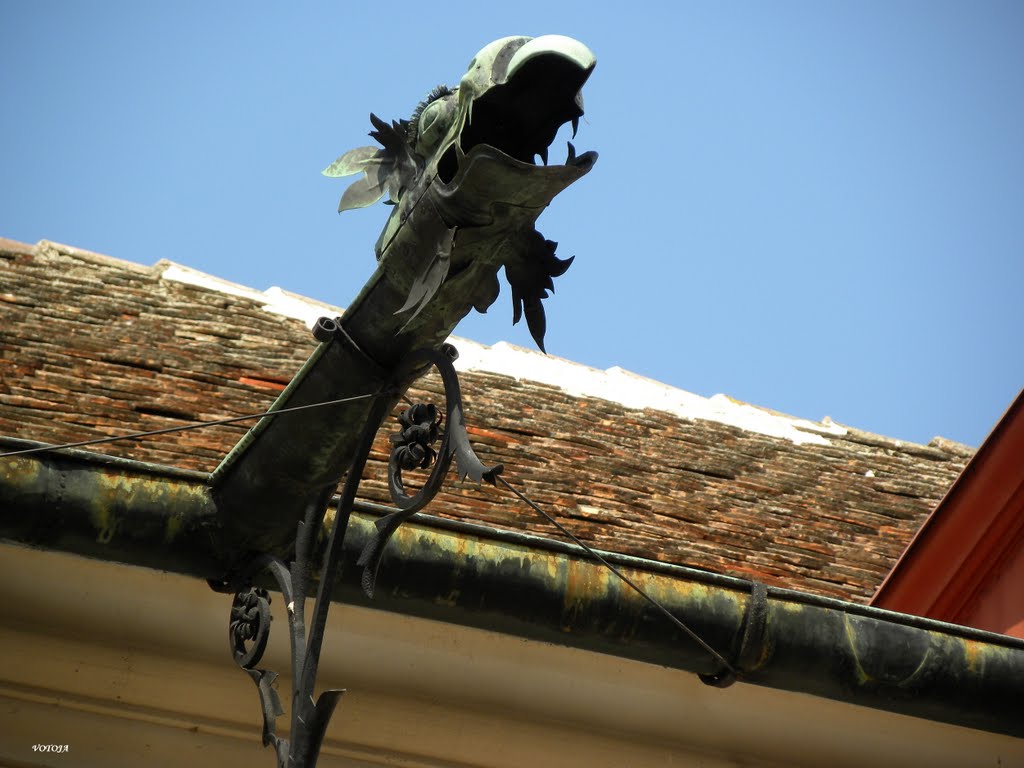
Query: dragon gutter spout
x,y
466,193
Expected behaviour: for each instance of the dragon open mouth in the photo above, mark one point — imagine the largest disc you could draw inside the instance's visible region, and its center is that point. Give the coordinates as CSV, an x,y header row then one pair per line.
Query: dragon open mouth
x,y
536,89
463,176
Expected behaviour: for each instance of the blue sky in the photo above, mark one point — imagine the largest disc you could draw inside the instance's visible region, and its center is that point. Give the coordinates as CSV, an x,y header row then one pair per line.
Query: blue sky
x,y
815,207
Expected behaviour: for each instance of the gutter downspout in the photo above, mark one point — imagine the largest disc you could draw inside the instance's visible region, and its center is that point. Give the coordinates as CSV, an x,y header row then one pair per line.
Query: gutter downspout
x,y
141,514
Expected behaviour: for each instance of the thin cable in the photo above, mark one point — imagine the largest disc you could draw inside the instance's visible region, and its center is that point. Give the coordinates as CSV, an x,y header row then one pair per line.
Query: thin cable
x,y
565,531
594,554
186,427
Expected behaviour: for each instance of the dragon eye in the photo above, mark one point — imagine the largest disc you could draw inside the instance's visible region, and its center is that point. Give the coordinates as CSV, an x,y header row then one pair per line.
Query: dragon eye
x,y
432,119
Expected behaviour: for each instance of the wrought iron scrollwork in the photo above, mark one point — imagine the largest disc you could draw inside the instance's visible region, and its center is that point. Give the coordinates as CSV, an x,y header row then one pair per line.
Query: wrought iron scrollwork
x,y
413,448
250,625
248,633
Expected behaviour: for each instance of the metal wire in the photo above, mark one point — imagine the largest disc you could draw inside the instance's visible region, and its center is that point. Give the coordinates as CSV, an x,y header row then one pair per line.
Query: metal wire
x,y
594,554
187,427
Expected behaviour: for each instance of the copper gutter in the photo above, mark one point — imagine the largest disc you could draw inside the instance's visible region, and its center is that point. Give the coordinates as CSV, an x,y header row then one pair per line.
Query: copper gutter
x,y
141,514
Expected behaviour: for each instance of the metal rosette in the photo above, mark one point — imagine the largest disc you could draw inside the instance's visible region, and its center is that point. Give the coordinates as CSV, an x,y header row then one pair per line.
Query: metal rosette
x,y
413,448
249,629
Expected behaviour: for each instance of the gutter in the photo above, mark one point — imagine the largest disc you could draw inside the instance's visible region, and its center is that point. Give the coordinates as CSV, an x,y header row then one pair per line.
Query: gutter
x,y
522,585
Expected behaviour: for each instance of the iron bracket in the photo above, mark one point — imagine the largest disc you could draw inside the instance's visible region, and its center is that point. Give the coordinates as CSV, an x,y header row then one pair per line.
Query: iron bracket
x,y
249,627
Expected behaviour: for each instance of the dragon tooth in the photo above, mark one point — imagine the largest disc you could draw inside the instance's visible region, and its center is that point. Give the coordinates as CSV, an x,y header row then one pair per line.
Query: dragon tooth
x,y
543,152
572,153
575,126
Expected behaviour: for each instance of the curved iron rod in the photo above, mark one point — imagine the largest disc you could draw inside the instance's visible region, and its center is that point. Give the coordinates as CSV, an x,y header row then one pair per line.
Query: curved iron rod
x,y
309,718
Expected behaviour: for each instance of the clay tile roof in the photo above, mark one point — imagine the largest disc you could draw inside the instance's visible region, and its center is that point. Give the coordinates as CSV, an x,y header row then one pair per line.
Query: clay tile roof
x,y
92,346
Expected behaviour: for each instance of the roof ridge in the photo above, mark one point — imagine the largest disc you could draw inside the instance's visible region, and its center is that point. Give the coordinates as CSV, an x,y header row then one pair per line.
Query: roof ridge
x,y
273,299
92,257
639,392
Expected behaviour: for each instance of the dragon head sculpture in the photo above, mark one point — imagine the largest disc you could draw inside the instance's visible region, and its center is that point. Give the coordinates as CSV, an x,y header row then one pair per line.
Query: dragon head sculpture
x,y
463,177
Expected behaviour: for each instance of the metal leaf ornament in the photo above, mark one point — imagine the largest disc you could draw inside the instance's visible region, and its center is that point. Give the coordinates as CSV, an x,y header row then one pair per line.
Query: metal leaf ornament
x,y
389,170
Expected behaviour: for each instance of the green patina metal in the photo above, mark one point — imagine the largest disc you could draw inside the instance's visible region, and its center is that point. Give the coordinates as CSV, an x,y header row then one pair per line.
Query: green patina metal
x,y
812,645
543,590
462,177
463,210
109,508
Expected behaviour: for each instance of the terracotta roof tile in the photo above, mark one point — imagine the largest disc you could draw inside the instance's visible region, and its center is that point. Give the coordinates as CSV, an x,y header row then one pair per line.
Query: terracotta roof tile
x,y
92,346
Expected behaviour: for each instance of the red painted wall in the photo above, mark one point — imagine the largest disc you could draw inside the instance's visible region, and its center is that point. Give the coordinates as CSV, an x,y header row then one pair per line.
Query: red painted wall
x,y
999,605
966,564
